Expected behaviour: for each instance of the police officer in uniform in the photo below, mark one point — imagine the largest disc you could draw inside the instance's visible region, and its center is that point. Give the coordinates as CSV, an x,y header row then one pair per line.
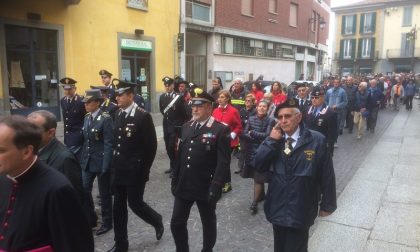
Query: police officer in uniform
x,y
96,156
107,105
74,112
202,166
108,82
134,153
174,114
322,118
138,99
303,100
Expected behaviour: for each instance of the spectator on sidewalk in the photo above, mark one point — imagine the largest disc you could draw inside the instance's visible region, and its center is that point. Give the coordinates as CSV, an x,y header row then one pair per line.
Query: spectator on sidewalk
x,y
360,110
245,113
278,95
257,91
303,181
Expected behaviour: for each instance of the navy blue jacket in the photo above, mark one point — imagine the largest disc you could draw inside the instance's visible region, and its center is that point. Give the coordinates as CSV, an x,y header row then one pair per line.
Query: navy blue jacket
x,y
301,181
375,98
98,143
73,115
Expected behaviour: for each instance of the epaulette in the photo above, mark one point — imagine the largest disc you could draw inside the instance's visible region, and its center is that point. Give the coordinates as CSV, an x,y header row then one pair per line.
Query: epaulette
x,y
87,114
141,109
106,114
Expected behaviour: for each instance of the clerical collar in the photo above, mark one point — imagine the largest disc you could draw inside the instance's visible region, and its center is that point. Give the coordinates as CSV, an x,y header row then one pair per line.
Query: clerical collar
x,y
295,135
129,108
94,114
22,173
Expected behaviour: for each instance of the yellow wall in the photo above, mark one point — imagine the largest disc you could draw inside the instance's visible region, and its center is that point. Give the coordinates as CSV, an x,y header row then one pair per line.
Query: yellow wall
x,y
357,35
394,29
90,33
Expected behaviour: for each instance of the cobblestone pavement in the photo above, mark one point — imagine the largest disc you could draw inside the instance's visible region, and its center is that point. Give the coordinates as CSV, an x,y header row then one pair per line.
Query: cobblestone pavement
x,y
237,229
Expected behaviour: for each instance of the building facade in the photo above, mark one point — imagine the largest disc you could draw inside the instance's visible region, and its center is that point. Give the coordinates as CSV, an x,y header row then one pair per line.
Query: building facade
x,y
377,36
280,40
44,41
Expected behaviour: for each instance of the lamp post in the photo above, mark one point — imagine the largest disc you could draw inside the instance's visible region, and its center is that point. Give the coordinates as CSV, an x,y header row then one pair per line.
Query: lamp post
x,y
412,36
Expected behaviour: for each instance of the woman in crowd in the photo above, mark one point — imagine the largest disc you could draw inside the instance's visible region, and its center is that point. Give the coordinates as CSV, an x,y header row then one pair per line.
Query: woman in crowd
x,y
257,91
409,90
271,106
360,109
245,113
256,130
278,96
228,115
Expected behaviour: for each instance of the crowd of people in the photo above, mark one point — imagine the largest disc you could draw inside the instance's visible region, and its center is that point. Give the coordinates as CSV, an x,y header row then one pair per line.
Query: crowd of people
x,y
280,138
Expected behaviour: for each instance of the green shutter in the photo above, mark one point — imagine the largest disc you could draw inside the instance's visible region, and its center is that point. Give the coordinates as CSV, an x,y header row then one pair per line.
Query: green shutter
x,y
372,48
353,48
362,23
359,48
354,23
373,22
343,25
341,49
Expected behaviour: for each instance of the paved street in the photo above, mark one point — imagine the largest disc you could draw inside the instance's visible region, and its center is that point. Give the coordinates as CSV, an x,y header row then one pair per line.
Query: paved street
x,y
237,229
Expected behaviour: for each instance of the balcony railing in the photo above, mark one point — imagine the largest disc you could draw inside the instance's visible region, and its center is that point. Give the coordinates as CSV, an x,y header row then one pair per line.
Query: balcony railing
x,y
198,11
399,53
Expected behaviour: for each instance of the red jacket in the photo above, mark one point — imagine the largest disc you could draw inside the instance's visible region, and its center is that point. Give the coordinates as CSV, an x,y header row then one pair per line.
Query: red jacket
x,y
258,94
231,118
279,98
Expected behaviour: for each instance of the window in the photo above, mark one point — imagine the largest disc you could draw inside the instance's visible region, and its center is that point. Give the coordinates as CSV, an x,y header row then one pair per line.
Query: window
x,y
407,16
247,7
272,6
368,23
197,11
313,22
293,15
348,25
366,48
347,49
406,45
254,47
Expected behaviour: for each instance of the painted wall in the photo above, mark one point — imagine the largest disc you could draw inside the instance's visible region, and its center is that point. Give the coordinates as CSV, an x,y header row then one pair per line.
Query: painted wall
x,y
393,27
90,33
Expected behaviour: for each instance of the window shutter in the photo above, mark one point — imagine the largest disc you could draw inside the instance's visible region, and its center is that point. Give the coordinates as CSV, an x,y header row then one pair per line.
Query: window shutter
x,y
341,49
343,25
354,23
353,48
373,22
362,24
359,48
372,48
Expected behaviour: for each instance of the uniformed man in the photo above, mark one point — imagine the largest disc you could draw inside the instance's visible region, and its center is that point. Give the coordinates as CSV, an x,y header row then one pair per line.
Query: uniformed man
x,y
174,114
138,99
107,81
134,153
96,156
238,94
201,170
73,115
322,118
107,105
303,99
303,181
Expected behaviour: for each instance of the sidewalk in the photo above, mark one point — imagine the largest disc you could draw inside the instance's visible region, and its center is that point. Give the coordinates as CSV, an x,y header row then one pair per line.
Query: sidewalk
x,y
379,210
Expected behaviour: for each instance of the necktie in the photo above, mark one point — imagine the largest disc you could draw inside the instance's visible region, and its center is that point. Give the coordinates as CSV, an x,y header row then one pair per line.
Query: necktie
x,y
290,142
90,120
301,102
197,127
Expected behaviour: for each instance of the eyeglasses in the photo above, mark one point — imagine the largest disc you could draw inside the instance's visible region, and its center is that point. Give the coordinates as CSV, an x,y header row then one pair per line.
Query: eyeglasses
x,y
315,97
286,116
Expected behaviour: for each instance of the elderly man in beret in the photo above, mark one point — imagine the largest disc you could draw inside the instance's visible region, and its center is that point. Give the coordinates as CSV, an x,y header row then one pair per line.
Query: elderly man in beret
x,y
303,180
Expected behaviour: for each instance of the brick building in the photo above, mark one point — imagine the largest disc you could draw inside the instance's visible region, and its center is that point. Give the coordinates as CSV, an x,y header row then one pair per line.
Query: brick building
x,y
246,38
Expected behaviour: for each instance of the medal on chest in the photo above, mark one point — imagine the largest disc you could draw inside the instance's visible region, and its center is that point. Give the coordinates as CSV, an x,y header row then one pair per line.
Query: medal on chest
x,y
320,121
287,149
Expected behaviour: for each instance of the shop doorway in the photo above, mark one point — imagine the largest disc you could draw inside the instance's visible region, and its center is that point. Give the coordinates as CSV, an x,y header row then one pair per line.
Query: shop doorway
x,y
32,64
136,68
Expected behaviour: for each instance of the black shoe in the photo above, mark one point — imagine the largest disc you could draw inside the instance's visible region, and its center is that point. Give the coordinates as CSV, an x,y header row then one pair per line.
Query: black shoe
x,y
168,171
254,208
237,171
103,229
159,231
119,247
340,132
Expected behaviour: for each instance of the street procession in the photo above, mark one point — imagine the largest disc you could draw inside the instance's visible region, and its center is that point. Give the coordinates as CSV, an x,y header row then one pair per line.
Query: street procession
x,y
209,128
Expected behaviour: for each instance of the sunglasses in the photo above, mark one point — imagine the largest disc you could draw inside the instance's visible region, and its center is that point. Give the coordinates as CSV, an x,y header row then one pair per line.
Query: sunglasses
x,y
286,116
